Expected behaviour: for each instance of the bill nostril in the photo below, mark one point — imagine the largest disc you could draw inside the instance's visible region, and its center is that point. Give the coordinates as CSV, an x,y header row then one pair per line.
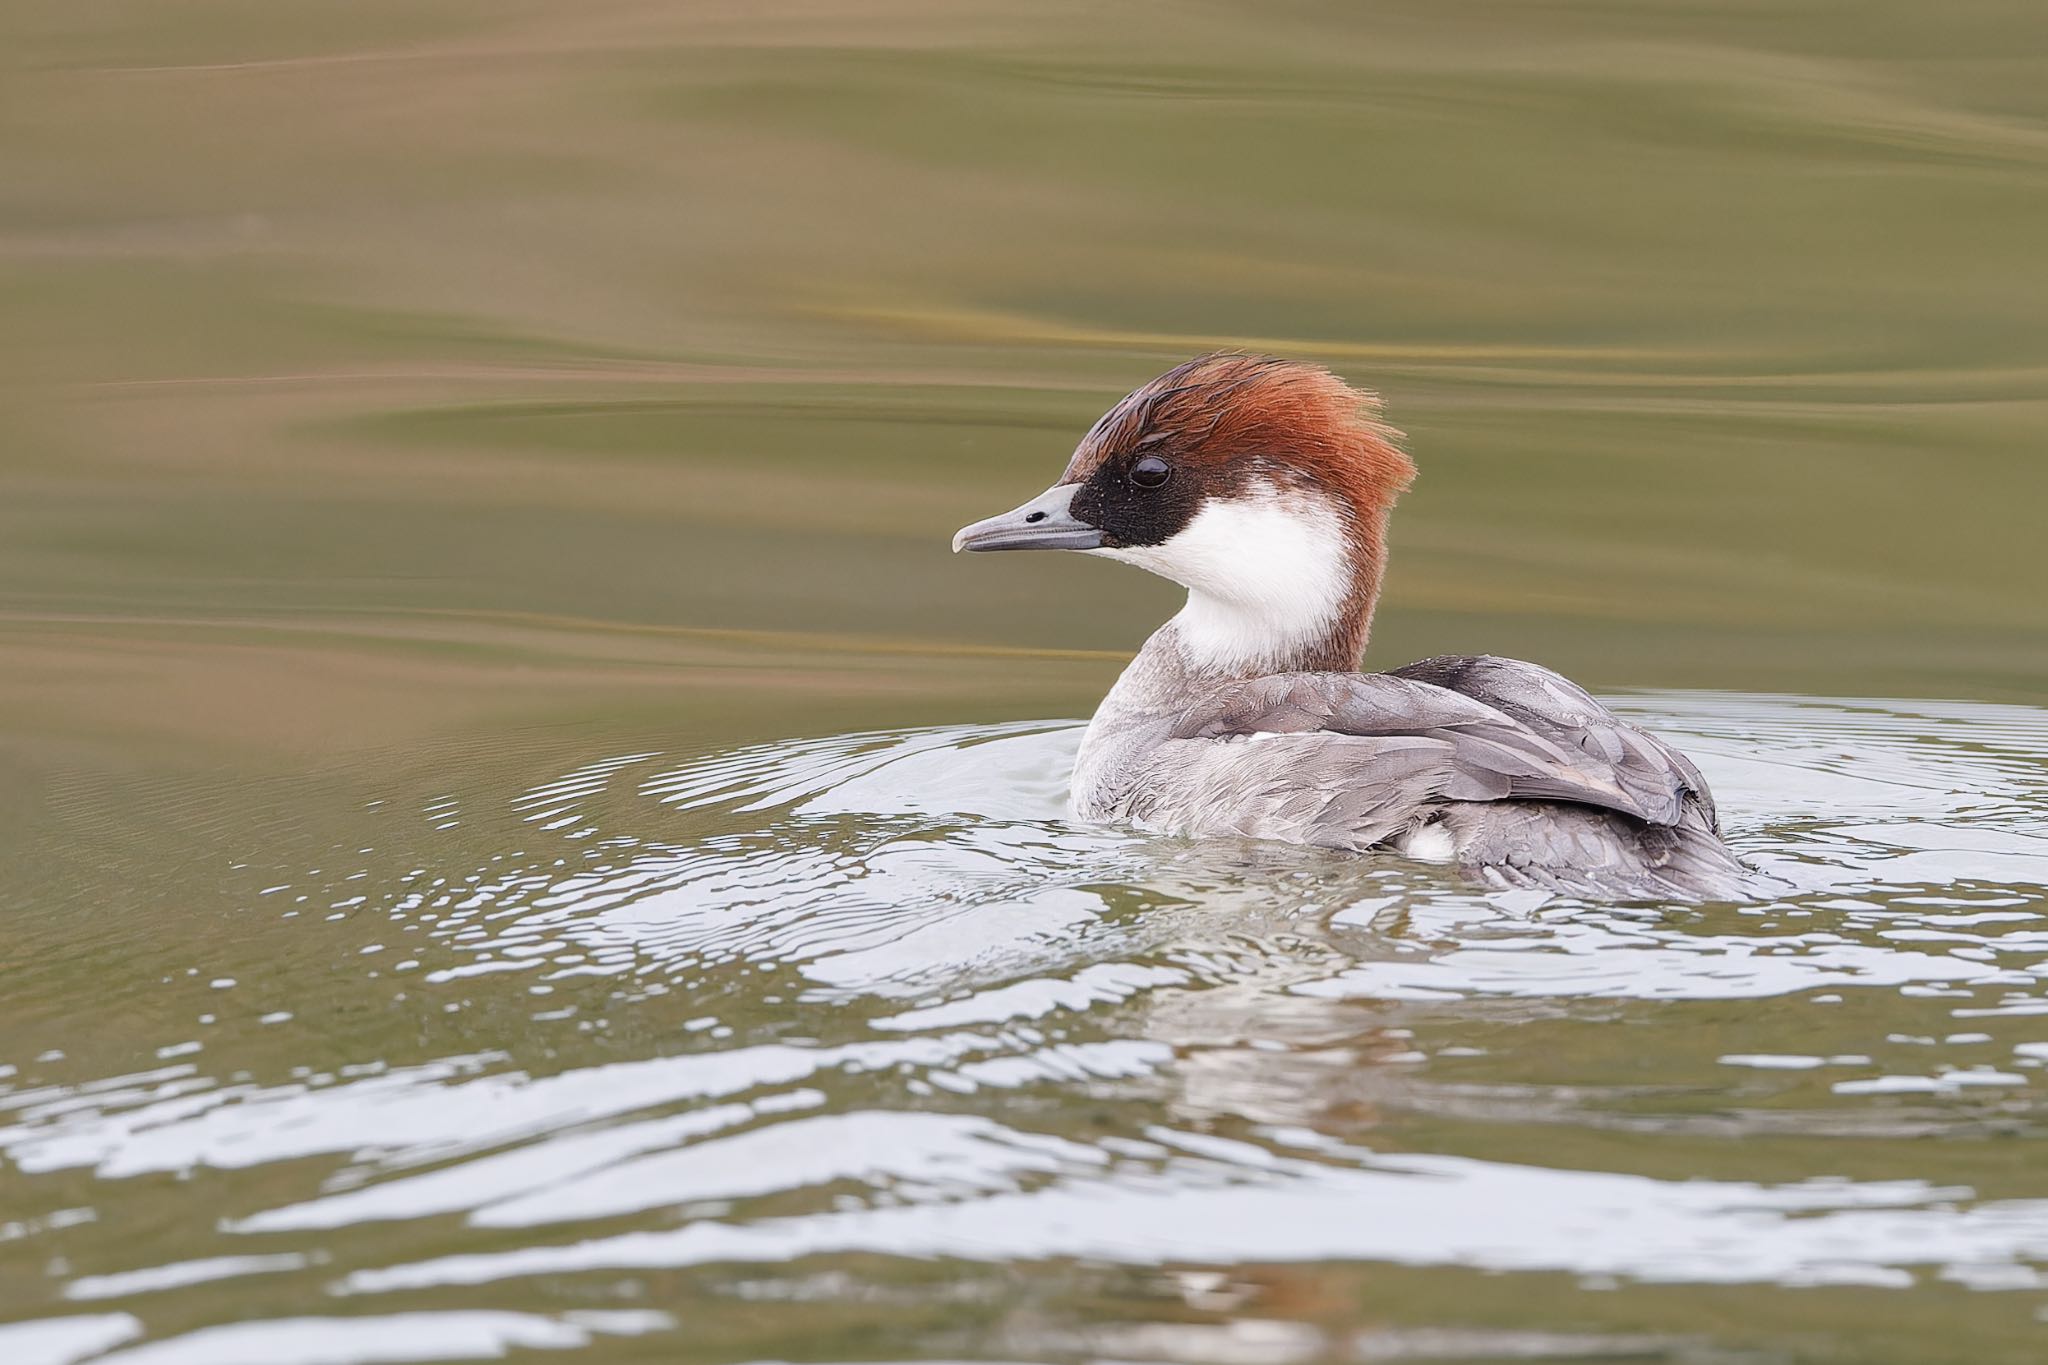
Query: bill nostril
x,y
1035,516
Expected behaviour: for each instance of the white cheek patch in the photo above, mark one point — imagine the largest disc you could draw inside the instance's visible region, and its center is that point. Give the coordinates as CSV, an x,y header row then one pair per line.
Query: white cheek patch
x,y
1266,573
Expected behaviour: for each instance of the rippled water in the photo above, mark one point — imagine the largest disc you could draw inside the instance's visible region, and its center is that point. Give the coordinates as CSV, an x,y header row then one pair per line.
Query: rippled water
x,y
856,1036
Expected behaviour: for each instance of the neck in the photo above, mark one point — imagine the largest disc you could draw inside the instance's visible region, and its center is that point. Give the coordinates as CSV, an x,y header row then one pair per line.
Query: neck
x,y
1321,627
1221,641
1309,610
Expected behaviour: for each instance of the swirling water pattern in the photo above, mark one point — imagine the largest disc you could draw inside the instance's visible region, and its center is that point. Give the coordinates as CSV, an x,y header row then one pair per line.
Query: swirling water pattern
x,y
918,1019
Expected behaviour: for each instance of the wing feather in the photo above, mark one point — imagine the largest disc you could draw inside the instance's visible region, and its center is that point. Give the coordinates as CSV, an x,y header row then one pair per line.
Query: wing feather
x,y
1465,729
1660,777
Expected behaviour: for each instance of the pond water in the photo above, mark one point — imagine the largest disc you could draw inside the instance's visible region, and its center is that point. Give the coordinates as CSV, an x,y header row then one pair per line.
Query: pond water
x,y
518,838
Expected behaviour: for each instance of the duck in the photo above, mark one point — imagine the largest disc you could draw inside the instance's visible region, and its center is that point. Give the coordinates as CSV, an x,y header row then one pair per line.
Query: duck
x,y
1263,486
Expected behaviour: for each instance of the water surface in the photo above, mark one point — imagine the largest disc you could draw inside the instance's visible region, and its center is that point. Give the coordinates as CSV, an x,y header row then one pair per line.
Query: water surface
x,y
861,1027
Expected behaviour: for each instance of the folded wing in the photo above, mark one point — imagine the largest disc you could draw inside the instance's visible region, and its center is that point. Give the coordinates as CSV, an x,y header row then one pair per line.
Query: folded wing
x,y
1464,729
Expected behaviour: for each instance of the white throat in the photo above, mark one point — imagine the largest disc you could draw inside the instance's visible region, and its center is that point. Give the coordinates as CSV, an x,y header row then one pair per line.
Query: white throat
x,y
1266,573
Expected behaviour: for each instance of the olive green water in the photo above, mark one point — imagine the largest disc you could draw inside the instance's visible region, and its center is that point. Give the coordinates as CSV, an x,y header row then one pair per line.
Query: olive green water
x,y
515,836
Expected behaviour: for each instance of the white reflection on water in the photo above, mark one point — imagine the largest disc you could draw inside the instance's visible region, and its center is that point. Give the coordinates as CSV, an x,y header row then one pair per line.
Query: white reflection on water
x,y
62,1341
1229,1203
949,948
392,1337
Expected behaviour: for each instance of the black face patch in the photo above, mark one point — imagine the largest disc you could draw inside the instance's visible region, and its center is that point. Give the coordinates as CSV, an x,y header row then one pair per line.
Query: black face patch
x,y
1128,513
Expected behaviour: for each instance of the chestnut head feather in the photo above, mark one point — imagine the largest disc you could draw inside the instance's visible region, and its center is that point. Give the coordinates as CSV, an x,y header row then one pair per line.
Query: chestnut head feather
x,y
1224,425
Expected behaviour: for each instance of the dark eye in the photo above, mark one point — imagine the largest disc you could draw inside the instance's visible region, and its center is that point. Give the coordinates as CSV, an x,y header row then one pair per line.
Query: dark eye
x,y
1150,472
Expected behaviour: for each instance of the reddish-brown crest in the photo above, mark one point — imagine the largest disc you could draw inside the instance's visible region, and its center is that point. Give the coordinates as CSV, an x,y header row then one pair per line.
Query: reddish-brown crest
x,y
1253,416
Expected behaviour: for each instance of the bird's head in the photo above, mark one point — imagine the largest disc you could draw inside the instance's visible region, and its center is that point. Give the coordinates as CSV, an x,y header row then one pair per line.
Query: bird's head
x,y
1261,486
